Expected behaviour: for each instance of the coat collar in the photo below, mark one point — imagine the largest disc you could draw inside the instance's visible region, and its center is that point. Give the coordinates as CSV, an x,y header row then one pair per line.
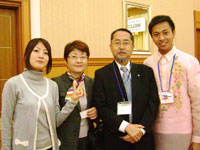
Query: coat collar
x,y
88,87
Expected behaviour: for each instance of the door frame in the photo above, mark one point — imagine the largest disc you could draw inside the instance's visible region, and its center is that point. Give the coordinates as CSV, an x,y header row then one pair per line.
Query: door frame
x,y
22,8
196,27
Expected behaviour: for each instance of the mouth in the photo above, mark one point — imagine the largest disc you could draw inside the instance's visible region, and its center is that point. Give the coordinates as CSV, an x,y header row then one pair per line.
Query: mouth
x,y
163,44
78,66
40,61
121,53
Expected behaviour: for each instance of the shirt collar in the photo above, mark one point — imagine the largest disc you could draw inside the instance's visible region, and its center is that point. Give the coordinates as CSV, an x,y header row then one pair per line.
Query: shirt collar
x,y
77,80
169,55
128,66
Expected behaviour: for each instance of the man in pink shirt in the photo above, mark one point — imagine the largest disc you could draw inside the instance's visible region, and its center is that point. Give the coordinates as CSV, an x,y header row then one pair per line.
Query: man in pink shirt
x,y
178,79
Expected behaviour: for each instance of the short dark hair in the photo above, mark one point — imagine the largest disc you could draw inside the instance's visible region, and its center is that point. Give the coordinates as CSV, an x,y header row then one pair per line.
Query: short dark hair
x,y
29,48
77,44
124,30
158,19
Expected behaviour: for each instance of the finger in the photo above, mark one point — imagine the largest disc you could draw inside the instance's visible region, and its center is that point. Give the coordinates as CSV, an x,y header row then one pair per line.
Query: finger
x,y
80,84
74,85
81,92
126,137
92,116
91,110
139,126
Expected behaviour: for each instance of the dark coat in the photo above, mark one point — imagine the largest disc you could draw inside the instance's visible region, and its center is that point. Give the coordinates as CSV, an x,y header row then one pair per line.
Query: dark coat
x,y
145,103
68,132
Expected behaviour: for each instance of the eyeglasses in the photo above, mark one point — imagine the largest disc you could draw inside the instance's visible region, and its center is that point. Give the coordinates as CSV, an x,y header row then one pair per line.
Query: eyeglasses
x,y
118,44
73,57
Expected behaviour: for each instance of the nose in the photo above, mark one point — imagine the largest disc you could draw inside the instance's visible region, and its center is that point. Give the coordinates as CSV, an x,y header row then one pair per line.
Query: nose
x,y
121,46
78,59
161,37
41,54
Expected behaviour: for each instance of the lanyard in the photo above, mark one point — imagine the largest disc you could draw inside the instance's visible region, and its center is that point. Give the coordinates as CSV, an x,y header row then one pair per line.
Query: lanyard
x,y
120,88
169,77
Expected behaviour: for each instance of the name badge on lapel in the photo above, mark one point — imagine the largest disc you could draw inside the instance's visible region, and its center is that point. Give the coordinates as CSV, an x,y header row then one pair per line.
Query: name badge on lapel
x,y
166,97
124,108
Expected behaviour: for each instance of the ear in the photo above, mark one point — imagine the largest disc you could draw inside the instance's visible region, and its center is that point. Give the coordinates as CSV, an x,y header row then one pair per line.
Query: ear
x,y
110,45
133,46
66,63
174,32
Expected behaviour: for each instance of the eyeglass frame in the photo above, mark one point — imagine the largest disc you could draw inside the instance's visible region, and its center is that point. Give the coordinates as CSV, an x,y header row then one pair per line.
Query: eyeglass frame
x,y
124,43
74,57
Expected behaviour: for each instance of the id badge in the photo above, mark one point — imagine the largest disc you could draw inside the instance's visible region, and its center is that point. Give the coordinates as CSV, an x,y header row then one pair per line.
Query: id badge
x,y
124,108
166,97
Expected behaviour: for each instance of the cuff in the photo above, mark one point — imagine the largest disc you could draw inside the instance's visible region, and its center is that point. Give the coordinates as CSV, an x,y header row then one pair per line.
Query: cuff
x,y
123,125
143,131
196,139
71,101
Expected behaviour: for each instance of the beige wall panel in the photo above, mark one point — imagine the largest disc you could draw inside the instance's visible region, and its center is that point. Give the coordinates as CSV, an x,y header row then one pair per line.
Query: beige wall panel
x,y
62,22
102,17
197,5
184,22
89,20
93,21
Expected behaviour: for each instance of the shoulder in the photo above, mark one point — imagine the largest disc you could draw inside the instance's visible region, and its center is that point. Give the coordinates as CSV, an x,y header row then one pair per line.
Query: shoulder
x,y
88,79
142,67
12,84
143,70
150,59
186,57
13,80
104,69
52,83
58,78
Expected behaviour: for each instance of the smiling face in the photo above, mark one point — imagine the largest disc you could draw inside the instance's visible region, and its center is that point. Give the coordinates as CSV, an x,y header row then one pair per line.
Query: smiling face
x,y
77,62
163,37
121,47
39,57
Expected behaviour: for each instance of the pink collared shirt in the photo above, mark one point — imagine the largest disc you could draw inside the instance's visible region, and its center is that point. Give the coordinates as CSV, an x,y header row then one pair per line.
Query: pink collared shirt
x,y
182,116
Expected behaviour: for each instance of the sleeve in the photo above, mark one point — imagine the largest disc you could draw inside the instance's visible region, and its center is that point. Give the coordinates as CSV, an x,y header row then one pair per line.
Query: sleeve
x,y
151,111
9,98
194,93
61,115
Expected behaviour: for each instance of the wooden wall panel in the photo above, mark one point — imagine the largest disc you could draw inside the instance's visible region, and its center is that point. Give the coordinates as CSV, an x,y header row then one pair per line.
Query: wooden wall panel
x,y
59,66
197,33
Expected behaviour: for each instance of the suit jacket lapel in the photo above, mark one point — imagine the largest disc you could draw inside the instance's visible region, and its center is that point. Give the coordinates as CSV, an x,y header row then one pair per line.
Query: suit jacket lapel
x,y
120,80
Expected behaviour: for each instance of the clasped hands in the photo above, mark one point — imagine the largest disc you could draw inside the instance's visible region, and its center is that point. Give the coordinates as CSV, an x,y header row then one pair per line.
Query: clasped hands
x,y
134,133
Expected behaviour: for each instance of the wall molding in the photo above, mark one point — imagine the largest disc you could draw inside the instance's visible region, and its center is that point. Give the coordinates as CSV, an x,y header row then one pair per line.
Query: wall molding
x,y
60,62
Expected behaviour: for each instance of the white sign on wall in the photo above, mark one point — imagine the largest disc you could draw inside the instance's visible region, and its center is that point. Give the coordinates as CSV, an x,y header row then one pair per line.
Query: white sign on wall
x,y
137,25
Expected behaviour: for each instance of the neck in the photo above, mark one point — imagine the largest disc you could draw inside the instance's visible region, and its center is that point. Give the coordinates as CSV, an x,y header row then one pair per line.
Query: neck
x,y
123,63
164,52
75,75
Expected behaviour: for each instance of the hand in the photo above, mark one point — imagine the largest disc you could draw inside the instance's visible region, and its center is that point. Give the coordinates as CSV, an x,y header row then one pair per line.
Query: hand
x,y
128,138
92,113
134,131
195,146
78,92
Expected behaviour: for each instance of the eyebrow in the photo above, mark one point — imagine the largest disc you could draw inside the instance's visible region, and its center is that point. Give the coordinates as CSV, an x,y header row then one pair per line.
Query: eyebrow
x,y
122,40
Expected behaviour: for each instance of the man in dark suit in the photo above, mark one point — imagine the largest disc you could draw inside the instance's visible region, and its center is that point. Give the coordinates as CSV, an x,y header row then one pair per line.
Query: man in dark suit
x,y
128,110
